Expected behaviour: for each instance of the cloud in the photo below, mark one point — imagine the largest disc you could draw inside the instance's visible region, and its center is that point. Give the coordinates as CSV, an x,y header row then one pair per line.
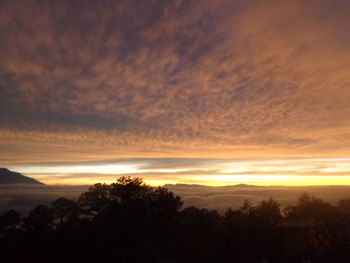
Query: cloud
x,y
124,79
207,171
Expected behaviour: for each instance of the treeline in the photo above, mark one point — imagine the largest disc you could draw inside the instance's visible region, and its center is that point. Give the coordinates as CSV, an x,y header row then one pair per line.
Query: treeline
x,y
129,221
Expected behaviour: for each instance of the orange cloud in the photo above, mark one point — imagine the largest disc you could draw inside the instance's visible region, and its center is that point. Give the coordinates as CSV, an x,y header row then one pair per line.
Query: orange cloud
x,y
173,79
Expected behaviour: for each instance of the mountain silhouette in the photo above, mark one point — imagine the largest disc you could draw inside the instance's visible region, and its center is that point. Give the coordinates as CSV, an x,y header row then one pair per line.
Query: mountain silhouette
x,y
243,185
199,186
10,177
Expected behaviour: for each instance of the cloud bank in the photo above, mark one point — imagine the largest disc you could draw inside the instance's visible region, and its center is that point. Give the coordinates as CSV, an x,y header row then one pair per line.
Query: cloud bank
x,y
98,80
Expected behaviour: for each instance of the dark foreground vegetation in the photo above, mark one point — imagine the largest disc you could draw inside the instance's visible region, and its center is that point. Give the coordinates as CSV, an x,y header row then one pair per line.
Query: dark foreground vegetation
x,y
129,221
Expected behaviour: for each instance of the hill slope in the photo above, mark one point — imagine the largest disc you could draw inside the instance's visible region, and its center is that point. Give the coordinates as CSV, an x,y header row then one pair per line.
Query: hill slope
x,y
9,177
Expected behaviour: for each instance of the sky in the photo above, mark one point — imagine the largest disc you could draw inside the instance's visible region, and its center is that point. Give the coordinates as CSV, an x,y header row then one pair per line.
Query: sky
x,y
204,91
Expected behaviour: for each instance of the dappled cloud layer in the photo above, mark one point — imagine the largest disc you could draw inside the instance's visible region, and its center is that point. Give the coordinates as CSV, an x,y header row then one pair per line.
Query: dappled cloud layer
x,y
100,80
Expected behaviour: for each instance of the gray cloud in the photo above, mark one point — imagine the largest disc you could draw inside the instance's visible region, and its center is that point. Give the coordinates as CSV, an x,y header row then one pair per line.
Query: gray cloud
x,y
95,80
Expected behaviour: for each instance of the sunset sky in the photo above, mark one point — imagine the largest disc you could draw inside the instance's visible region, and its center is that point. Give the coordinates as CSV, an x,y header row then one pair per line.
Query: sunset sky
x,y
176,91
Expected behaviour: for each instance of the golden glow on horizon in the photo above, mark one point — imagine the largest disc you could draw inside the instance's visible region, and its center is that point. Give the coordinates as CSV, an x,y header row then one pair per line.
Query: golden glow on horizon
x,y
213,172
259,180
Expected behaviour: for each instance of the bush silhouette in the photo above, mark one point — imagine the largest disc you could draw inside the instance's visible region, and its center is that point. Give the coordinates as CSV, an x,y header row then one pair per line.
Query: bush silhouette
x,y
130,221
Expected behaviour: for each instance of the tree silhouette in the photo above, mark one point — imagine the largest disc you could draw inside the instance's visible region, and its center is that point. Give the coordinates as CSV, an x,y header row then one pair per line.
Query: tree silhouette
x,y
268,211
10,220
40,219
130,221
128,189
65,210
94,200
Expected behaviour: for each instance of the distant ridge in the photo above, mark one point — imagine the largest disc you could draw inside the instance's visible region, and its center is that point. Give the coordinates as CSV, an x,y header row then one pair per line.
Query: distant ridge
x,y
186,185
207,186
10,177
244,185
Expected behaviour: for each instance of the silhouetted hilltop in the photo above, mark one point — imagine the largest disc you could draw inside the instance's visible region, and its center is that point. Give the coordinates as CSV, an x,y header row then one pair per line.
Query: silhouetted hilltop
x,y
243,185
10,177
186,186
199,186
